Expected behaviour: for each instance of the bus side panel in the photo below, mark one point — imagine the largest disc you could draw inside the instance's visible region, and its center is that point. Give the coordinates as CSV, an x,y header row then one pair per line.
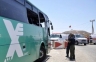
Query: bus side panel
x,y
22,44
36,35
46,41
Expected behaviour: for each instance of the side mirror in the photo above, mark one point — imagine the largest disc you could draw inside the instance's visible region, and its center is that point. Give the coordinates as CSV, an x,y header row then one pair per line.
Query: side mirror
x,y
50,23
40,25
51,27
60,36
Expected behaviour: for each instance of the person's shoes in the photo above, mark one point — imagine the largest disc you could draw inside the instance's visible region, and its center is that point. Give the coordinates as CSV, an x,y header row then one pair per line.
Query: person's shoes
x,y
67,56
71,59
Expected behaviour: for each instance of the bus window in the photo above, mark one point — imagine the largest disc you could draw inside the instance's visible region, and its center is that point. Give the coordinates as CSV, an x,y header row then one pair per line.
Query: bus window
x,y
32,17
13,10
42,20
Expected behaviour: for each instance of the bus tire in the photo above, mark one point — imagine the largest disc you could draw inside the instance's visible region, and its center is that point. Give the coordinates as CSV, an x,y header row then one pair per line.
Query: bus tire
x,y
42,54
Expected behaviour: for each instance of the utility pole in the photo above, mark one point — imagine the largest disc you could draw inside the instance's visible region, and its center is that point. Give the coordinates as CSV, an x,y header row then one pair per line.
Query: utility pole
x,y
92,26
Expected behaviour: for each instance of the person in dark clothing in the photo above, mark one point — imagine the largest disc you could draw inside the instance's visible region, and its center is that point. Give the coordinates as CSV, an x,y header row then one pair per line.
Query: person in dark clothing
x,y
71,40
67,50
90,39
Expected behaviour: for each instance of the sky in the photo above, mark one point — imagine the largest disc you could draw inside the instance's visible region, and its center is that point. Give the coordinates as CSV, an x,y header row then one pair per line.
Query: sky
x,y
64,13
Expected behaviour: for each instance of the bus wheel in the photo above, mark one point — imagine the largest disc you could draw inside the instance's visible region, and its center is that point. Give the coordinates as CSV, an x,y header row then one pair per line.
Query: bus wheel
x,y
42,54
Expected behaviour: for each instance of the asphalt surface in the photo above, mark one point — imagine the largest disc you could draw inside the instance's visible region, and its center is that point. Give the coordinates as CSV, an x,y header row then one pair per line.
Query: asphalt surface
x,y
89,51
83,54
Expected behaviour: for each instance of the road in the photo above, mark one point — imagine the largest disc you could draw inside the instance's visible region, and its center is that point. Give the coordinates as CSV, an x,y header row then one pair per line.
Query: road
x,y
83,54
89,51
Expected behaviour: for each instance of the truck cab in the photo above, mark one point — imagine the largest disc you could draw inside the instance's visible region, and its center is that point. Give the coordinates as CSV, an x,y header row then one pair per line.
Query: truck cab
x,y
55,37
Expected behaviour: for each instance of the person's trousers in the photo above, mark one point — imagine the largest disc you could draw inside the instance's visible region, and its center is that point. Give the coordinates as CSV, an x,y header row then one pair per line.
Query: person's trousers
x,y
67,50
72,52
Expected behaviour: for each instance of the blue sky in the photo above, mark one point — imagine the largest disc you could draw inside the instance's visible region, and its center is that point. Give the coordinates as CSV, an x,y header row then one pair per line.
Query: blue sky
x,y
64,13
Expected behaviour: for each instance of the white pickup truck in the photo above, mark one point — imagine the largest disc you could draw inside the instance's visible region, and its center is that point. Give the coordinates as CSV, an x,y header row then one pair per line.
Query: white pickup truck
x,y
56,37
80,39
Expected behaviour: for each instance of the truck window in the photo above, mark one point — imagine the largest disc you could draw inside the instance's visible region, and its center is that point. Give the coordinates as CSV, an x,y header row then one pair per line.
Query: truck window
x,y
54,36
79,36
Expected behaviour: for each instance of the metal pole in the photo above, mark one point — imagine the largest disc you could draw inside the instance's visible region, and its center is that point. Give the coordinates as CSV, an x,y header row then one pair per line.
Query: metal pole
x,y
92,26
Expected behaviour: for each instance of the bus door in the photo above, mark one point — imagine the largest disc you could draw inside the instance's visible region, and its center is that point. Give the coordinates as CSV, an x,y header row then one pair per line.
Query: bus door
x,y
43,23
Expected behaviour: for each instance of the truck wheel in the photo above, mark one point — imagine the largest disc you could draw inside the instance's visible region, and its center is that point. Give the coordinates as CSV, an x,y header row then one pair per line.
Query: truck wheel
x,y
94,43
84,43
42,54
76,42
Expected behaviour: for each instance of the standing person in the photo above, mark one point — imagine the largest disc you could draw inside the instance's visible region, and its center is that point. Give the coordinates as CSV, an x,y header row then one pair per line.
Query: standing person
x,y
90,41
71,40
67,49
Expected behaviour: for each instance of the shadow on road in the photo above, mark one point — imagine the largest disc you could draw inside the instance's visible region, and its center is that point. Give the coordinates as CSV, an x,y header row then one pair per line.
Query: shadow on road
x,y
81,45
92,44
68,59
46,59
59,48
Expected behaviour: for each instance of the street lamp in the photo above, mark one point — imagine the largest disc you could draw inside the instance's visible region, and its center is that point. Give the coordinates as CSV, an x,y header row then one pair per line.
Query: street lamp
x,y
92,20
92,25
